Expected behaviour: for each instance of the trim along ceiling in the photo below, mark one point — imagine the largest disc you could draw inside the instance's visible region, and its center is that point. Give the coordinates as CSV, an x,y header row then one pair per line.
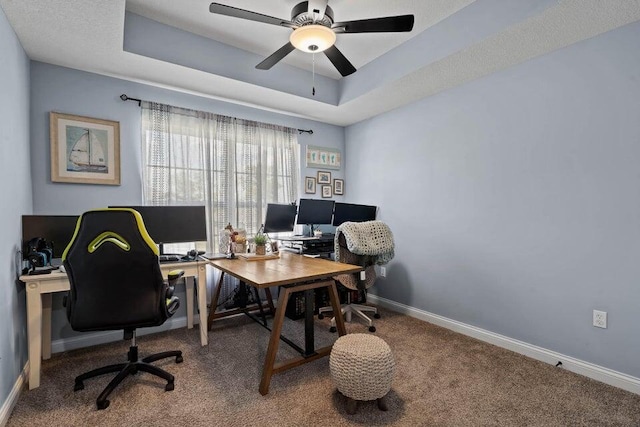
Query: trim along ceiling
x,y
181,46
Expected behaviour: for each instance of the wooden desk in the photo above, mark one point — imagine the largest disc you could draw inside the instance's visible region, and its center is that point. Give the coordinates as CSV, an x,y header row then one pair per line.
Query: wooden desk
x,y
293,273
40,287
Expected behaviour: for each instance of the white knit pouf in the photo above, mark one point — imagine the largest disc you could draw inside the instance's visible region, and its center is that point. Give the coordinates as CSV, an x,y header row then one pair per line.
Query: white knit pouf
x,y
362,367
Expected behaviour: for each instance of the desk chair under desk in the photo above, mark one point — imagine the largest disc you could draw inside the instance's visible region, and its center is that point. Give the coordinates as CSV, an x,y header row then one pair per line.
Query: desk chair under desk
x,y
366,244
40,288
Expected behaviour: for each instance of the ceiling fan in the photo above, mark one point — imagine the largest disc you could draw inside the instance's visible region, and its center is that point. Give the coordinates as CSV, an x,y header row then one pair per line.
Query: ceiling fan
x,y
314,30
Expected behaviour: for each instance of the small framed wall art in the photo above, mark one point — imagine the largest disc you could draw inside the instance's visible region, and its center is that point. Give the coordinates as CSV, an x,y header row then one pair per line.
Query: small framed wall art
x,y
324,177
323,157
338,187
84,150
310,185
326,191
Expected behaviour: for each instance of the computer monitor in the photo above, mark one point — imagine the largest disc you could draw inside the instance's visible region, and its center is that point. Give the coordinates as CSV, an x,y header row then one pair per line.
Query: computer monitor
x,y
343,212
313,211
57,230
173,224
279,218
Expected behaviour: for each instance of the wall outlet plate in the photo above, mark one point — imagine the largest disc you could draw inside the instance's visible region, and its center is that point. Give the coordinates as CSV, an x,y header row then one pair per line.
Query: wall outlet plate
x,y
600,319
383,271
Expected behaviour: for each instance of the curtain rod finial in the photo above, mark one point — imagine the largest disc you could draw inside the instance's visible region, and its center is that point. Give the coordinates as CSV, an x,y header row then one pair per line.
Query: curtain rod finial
x,y
124,97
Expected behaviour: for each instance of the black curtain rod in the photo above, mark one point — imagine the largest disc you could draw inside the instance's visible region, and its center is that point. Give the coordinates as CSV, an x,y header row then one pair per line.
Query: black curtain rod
x,y
124,97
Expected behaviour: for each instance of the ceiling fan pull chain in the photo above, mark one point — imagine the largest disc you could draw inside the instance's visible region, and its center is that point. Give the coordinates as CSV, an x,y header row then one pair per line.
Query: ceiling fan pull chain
x,y
313,74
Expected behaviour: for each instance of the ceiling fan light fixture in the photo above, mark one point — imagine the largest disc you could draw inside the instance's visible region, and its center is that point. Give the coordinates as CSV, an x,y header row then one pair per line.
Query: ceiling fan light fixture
x,y
312,38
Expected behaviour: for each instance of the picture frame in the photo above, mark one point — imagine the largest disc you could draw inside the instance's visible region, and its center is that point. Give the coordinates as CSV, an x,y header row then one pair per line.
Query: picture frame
x,y
326,191
338,187
84,150
324,177
323,157
310,185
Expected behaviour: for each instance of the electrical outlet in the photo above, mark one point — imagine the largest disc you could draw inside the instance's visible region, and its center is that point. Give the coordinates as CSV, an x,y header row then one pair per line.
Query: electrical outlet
x,y
383,271
600,319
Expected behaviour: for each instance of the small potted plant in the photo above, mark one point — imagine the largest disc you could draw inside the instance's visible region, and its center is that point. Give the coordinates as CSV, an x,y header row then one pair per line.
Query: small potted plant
x,y
260,240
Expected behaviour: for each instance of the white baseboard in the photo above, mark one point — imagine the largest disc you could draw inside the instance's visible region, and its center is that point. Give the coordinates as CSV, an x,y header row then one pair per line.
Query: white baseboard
x,y
14,395
599,373
95,338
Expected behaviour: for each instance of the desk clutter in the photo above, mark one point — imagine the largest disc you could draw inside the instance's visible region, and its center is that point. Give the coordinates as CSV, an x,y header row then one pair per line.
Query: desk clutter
x,y
257,257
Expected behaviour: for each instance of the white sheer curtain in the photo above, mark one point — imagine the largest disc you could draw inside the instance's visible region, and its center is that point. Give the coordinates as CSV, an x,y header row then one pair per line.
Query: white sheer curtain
x,y
232,166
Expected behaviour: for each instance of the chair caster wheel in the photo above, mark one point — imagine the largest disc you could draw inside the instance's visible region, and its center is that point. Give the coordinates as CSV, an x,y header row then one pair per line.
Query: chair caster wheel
x,y
169,387
320,316
78,386
377,315
333,329
372,328
179,359
103,404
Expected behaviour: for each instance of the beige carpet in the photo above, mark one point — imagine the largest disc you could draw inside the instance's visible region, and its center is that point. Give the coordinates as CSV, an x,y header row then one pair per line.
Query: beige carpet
x,y
442,379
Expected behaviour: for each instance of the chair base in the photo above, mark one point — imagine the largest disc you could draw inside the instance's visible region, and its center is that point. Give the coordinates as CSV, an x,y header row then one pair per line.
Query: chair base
x,y
348,310
130,368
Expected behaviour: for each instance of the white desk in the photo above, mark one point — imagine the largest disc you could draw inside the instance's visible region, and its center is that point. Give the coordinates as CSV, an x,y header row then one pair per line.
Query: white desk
x,y
39,290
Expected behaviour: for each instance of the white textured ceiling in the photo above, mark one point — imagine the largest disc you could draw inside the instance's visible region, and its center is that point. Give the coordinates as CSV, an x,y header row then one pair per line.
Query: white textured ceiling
x,y
88,35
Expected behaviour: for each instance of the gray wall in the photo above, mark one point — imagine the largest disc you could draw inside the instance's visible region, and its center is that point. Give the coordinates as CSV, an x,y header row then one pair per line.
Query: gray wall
x,y
514,199
70,91
16,196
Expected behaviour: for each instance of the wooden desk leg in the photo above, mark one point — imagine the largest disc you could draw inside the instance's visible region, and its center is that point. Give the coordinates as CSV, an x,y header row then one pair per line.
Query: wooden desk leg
x,y
34,332
202,303
188,285
214,301
272,309
274,341
46,326
337,312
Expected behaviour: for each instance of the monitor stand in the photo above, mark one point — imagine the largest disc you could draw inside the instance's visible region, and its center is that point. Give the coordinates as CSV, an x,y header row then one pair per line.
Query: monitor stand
x,y
310,230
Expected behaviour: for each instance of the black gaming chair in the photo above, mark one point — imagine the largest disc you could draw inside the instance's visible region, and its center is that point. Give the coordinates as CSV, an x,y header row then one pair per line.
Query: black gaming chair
x,y
116,283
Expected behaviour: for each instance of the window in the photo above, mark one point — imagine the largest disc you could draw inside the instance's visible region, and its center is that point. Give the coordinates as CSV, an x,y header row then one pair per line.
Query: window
x,y
232,166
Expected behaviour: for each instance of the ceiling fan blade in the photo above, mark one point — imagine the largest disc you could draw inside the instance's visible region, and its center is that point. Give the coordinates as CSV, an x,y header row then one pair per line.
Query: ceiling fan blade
x,y
389,24
275,57
340,61
223,9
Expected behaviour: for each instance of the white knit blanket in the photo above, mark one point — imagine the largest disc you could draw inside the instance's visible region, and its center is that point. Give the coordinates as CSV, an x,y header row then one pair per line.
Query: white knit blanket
x,y
367,238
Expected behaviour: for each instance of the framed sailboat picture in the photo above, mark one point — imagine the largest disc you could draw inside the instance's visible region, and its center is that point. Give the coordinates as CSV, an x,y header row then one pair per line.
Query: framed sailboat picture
x,y
84,150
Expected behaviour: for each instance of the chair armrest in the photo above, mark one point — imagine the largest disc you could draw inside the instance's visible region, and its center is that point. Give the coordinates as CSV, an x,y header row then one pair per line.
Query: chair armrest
x,y
172,302
174,275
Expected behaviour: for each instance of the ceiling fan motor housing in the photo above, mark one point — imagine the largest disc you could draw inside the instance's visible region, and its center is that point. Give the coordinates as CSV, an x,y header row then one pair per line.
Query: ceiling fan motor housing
x,y
300,16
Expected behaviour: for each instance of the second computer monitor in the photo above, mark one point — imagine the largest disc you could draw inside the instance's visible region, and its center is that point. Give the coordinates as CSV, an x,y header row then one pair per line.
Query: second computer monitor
x,y
312,211
174,224
279,218
344,212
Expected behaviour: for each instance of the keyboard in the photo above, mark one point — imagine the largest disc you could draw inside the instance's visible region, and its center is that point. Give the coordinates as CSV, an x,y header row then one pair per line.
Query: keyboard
x,y
169,258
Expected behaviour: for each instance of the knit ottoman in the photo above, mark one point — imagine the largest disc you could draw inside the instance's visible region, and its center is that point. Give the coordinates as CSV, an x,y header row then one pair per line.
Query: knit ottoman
x,y
362,367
